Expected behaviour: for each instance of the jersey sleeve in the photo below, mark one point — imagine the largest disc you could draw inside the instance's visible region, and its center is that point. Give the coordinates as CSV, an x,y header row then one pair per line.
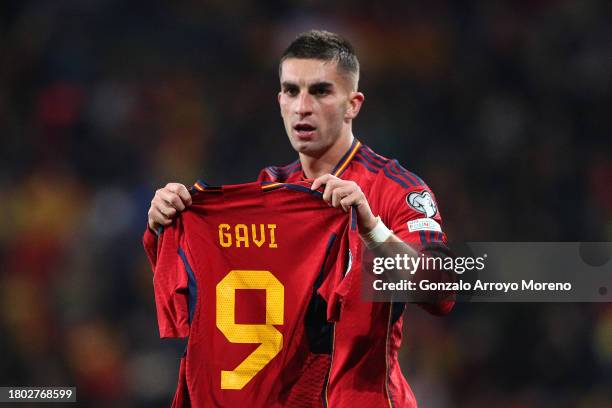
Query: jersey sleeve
x,y
170,282
149,241
409,208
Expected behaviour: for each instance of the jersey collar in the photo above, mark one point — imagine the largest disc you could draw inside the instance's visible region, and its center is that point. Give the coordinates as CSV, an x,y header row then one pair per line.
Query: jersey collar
x,y
344,162
346,159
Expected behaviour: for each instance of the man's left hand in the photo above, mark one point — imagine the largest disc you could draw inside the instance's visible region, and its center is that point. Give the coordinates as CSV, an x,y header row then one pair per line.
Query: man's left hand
x,y
344,194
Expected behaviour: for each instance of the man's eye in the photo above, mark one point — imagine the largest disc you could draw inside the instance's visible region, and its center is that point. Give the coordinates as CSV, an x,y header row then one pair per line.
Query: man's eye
x,y
291,91
321,92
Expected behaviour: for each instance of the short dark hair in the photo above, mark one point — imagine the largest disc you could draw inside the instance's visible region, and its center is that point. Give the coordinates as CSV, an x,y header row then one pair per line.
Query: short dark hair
x,y
325,46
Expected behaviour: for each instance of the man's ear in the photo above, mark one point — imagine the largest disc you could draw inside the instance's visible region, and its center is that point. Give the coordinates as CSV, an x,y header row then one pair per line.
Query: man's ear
x,y
355,101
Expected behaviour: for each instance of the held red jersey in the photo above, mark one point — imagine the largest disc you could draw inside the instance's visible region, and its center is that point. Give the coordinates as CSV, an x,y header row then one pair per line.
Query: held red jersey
x,y
241,273
365,371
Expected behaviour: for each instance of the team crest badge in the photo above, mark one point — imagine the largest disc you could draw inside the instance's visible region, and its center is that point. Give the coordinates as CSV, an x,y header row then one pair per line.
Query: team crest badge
x,y
422,202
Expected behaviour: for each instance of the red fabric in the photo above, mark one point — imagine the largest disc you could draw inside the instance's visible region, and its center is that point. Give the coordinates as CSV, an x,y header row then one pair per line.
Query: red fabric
x,y
149,241
304,225
181,396
365,371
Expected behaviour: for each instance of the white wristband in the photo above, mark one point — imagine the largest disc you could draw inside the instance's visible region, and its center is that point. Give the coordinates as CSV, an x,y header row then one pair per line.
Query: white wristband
x,y
379,234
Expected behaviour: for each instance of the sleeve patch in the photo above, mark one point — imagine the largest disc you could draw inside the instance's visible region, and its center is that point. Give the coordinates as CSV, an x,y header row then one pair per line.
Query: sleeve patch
x,y
423,224
422,202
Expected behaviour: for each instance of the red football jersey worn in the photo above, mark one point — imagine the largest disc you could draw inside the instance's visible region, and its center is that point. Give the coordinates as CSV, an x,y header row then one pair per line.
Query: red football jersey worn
x,y
242,273
365,371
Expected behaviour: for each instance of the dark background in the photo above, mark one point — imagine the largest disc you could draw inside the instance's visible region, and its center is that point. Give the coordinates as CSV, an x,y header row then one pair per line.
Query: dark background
x,y
502,107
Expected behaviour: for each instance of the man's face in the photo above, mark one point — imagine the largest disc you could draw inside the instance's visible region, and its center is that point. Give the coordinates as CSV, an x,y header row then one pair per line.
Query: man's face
x,y
315,103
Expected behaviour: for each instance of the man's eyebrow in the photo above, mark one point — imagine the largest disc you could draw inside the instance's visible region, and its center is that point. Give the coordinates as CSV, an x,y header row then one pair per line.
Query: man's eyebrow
x,y
321,85
316,85
288,84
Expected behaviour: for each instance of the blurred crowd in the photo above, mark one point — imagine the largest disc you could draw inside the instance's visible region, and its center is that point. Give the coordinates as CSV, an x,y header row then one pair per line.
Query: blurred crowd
x,y
502,107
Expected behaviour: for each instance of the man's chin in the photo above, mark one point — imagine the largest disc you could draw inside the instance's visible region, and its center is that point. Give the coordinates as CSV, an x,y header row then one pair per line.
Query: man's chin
x,y
307,147
299,144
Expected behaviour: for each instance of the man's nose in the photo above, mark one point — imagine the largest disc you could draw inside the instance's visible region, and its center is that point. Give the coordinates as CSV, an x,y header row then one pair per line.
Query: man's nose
x,y
303,105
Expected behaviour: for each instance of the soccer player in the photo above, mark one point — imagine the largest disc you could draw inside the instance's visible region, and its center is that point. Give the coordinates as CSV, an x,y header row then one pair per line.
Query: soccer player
x,y
319,98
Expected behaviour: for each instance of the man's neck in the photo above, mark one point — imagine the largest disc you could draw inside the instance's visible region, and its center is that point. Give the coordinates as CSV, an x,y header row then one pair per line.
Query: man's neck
x,y
314,167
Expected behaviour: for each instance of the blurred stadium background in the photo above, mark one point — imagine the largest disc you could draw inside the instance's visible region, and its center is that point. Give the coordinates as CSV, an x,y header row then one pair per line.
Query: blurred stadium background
x,y
502,106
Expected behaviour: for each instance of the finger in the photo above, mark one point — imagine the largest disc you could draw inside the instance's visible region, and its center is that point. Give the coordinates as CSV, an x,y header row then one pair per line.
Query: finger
x,y
177,202
330,186
171,198
339,193
181,191
166,210
156,218
174,187
185,196
321,180
351,200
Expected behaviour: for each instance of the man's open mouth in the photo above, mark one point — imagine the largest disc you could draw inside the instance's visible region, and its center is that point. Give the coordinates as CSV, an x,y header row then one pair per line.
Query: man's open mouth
x,y
304,127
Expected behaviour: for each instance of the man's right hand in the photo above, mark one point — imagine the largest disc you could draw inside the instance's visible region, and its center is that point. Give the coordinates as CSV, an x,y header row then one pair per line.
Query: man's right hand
x,y
167,202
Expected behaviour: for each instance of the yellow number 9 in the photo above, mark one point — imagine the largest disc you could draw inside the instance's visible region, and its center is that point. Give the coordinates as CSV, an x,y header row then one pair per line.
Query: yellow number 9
x,y
270,339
